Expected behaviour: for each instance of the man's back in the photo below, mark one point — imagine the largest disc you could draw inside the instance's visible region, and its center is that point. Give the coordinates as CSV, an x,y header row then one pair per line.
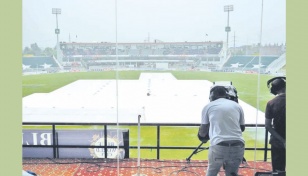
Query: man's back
x,y
225,117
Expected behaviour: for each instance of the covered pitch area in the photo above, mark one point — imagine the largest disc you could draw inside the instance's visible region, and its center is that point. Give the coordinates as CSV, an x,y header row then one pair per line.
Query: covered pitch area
x,y
157,97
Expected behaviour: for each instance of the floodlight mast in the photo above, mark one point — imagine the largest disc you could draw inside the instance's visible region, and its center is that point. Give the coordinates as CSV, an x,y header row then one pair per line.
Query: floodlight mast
x,y
228,8
57,11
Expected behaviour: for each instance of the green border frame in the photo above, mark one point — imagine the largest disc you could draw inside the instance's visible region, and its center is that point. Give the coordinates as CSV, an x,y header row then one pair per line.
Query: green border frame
x,y
10,76
296,103
11,40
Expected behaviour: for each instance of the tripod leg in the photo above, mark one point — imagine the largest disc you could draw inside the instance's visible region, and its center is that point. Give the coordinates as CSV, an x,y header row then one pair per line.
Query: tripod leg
x,y
194,152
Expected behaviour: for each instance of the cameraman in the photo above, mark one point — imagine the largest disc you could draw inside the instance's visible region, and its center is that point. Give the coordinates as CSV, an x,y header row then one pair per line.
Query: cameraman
x,y
223,123
276,112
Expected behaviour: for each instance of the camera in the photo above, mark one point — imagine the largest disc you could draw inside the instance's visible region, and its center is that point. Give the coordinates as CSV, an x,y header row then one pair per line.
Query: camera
x,y
230,91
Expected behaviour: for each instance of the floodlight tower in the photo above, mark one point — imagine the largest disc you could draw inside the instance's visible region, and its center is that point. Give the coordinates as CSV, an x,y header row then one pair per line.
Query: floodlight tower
x,y
228,8
57,11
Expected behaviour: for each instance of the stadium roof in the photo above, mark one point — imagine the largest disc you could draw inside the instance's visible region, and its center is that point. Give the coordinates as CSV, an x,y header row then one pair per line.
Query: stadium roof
x,y
157,97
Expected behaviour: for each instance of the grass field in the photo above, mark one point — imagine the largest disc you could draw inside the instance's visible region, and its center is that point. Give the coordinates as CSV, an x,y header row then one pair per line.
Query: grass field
x,y
246,85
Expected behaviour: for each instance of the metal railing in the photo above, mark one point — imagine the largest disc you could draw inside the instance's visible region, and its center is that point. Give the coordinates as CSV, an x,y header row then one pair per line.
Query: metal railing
x,y
158,146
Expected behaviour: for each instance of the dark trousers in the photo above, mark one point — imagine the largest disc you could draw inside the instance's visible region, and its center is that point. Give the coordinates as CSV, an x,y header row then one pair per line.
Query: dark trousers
x,y
278,159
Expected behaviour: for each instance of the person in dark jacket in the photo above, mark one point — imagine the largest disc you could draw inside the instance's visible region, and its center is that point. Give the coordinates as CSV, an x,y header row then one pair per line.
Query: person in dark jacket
x,y
275,123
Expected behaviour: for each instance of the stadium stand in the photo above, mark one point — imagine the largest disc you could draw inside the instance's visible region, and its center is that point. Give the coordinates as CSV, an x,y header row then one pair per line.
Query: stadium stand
x,y
158,55
40,64
38,61
175,55
246,59
246,63
277,65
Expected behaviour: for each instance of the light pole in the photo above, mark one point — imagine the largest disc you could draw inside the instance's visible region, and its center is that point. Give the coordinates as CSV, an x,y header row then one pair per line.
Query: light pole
x,y
57,31
228,8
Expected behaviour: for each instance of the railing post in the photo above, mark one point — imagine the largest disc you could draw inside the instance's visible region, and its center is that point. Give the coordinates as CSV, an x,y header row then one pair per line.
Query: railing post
x,y
126,143
105,140
265,145
54,145
158,140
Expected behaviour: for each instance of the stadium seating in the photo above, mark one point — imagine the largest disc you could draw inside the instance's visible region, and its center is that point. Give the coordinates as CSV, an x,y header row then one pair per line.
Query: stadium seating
x,y
202,55
249,62
38,62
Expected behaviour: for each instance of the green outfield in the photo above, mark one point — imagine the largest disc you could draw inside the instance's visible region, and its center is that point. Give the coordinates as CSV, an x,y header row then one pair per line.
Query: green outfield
x,y
251,88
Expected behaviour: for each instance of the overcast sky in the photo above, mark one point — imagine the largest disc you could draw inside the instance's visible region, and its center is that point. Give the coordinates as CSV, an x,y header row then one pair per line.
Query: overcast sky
x,y
165,20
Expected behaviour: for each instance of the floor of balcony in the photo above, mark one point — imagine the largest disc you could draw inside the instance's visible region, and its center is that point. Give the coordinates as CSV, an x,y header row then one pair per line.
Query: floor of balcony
x,y
128,167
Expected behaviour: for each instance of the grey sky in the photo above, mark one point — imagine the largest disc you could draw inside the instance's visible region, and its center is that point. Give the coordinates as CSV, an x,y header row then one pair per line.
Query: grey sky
x,y
166,20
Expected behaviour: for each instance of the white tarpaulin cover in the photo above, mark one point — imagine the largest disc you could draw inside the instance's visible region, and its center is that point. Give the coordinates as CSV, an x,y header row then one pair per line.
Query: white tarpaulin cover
x,y
157,97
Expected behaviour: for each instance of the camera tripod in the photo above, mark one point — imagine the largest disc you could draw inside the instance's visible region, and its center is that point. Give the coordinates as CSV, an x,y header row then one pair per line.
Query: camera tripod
x,y
196,151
